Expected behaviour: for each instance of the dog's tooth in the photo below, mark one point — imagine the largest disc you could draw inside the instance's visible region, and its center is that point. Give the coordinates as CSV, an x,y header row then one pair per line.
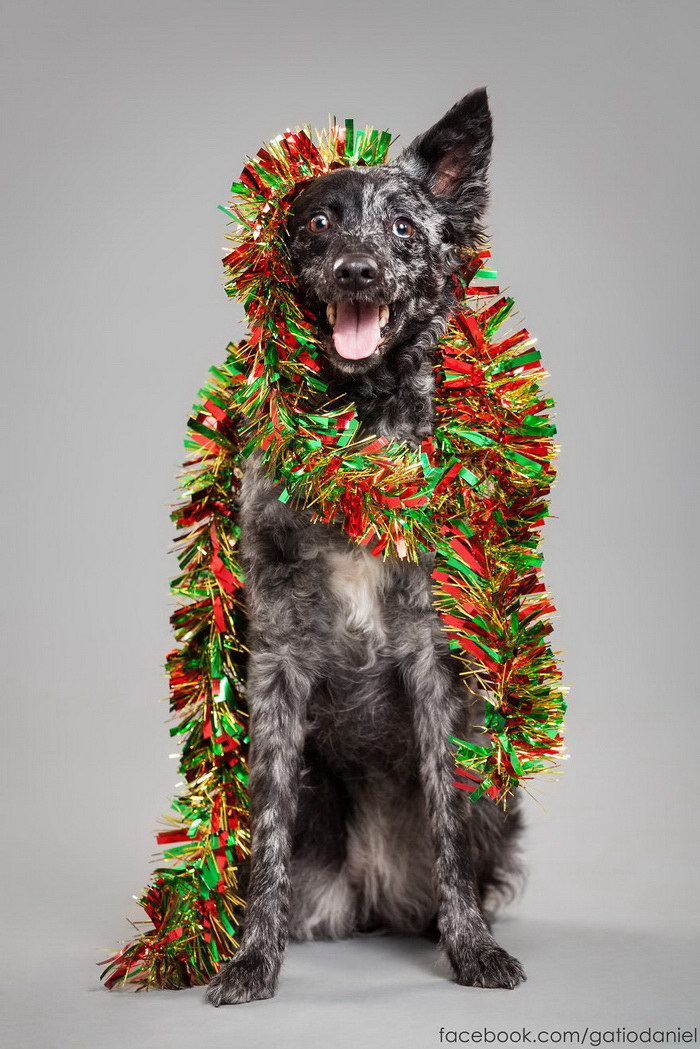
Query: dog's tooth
x,y
383,316
331,313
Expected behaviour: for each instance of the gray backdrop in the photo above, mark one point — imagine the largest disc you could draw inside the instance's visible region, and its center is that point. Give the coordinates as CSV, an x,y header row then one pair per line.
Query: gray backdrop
x,y
126,123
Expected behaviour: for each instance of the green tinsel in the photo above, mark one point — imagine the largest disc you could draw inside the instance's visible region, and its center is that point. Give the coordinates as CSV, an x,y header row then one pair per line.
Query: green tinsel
x,y
475,493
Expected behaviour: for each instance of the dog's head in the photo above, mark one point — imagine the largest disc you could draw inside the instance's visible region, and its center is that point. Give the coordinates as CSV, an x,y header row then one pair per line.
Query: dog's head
x,y
373,247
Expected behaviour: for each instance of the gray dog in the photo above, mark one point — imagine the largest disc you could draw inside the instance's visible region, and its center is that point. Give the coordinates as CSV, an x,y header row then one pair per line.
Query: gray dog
x,y
352,691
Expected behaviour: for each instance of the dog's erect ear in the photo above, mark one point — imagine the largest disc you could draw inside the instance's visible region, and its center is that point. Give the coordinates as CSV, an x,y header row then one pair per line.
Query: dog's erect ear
x,y
451,159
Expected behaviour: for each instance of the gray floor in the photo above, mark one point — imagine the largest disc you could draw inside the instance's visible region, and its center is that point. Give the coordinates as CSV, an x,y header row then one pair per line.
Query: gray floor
x,y
379,991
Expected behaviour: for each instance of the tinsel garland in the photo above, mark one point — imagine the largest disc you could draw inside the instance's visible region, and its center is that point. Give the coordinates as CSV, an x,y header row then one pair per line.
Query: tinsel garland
x,y
476,494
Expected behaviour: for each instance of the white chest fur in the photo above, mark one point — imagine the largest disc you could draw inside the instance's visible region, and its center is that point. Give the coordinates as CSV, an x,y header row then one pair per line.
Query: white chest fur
x,y
356,579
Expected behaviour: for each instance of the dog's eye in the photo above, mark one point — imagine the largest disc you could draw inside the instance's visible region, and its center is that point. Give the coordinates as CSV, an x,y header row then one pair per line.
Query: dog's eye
x,y
318,223
402,228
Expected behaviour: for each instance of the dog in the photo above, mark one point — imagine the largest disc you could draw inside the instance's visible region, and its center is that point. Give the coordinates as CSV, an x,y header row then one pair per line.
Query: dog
x,y
353,693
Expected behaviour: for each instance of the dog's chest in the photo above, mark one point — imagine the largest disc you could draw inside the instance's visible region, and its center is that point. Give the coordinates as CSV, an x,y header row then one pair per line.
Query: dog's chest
x,y
360,715
356,581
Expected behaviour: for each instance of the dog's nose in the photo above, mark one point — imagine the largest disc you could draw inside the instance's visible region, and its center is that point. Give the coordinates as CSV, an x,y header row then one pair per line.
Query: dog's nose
x,y
355,272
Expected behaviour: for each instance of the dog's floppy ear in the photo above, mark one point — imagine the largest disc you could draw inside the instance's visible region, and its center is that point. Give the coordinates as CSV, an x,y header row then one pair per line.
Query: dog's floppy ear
x,y
451,159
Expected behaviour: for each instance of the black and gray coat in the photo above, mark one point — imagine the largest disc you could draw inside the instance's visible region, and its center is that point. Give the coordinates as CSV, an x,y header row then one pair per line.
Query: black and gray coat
x,y
352,691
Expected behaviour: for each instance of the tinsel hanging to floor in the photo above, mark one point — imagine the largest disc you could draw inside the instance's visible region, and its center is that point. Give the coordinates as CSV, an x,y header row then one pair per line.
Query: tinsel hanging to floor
x,y
476,493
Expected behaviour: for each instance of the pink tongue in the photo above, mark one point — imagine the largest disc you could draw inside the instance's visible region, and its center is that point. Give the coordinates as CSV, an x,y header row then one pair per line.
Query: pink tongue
x,y
356,330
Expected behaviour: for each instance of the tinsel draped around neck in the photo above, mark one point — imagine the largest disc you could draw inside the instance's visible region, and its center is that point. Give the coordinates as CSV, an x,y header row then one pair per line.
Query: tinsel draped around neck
x,y
476,493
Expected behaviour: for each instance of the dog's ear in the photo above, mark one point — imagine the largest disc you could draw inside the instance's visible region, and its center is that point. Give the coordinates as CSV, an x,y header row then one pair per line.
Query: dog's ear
x,y
451,159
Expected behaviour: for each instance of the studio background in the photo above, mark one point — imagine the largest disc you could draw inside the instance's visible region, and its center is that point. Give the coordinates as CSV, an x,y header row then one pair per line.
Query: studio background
x,y
125,126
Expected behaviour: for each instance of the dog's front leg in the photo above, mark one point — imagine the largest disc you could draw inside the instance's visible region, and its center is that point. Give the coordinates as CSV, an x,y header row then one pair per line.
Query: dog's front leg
x,y
475,956
278,693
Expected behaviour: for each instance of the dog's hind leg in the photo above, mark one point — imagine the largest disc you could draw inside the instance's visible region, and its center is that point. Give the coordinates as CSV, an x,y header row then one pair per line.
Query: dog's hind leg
x,y
324,901
437,695
278,693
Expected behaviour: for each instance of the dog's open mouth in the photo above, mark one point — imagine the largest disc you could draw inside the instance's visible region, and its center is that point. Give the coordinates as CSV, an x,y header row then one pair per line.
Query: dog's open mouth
x,y
357,327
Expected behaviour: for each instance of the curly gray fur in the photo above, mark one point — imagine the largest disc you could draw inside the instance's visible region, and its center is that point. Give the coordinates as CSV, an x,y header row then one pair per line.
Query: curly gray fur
x,y
353,693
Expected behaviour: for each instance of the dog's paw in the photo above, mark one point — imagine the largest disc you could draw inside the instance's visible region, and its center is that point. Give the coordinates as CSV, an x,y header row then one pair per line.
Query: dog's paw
x,y
247,978
487,965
